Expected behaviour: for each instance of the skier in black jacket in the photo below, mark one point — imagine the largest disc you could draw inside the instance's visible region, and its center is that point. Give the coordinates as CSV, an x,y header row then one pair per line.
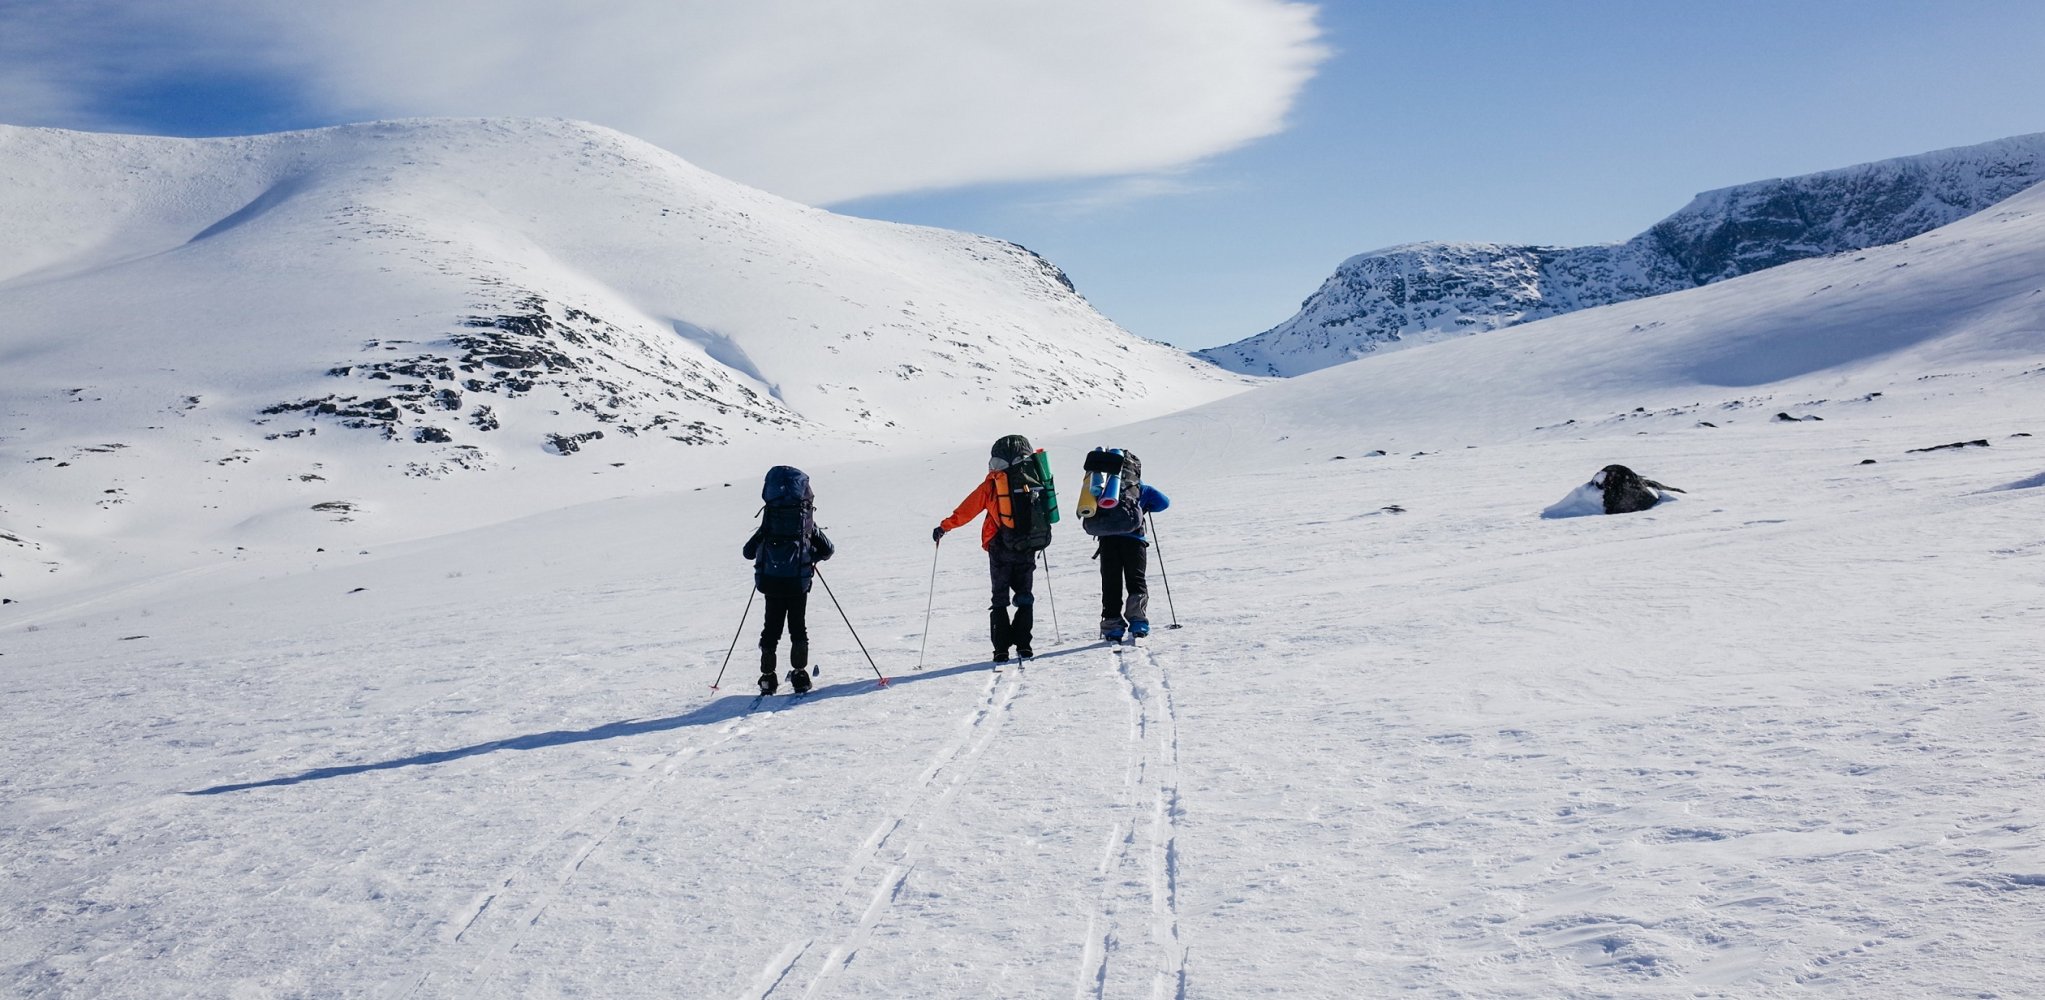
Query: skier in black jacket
x,y
785,549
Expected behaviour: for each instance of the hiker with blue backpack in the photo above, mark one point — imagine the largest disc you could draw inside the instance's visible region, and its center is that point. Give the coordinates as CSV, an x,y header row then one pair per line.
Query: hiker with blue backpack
x,y
785,549
1020,506
1112,509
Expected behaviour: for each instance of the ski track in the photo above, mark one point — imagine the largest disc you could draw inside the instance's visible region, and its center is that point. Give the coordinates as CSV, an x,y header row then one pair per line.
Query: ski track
x,y
532,886
1141,890
863,902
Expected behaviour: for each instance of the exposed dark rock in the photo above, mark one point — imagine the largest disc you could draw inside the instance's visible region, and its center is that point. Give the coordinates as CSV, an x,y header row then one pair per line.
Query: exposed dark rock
x,y
344,511
620,377
1976,443
1626,492
569,444
431,435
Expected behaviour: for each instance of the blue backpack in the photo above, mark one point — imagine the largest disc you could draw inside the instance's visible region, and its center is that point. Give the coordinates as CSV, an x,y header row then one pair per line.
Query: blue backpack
x,y
786,524
1115,478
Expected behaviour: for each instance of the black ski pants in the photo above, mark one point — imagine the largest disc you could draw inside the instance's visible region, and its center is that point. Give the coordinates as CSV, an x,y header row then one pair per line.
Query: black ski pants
x,y
1124,562
787,603
1013,575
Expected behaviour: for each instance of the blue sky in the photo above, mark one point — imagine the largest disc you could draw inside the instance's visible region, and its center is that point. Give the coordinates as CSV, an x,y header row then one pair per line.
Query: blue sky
x,y
1196,178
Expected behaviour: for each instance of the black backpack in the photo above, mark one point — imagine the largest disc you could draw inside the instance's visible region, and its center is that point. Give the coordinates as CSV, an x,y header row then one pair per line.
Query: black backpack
x,y
1126,516
786,523
1023,514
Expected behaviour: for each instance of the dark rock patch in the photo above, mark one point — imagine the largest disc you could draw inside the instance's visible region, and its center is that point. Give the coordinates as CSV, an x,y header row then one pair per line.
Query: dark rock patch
x,y
569,444
1976,443
621,377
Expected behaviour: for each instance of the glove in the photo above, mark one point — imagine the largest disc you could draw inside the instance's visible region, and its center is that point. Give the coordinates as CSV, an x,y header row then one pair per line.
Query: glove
x,y
937,534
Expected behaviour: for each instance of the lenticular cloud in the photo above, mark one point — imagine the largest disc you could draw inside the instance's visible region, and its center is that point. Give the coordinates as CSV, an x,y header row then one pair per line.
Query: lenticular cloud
x,y
818,102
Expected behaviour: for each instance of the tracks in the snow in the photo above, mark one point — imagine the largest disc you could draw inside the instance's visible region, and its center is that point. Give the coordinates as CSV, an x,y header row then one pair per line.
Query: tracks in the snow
x,y
492,924
879,868
1132,940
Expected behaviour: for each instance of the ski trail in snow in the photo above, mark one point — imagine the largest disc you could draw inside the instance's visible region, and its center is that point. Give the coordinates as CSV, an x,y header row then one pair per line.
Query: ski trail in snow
x,y
522,897
1164,843
863,901
1140,889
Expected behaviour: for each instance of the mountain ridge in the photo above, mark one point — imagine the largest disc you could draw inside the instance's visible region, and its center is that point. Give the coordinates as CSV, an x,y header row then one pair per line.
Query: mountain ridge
x,y
1424,292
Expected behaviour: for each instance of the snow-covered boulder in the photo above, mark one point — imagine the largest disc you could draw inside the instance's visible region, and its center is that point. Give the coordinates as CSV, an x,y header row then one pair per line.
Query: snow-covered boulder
x,y
1616,489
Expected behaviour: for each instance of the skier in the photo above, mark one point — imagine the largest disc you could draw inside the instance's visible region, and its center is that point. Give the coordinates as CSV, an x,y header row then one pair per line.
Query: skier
x,y
785,549
1018,525
1112,509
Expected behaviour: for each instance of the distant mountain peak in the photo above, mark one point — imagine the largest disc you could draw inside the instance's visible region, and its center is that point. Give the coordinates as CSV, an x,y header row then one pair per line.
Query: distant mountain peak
x,y
1419,293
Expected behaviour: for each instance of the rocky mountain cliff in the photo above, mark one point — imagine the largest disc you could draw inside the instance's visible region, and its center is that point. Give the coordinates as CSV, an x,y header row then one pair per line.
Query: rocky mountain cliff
x,y
1423,292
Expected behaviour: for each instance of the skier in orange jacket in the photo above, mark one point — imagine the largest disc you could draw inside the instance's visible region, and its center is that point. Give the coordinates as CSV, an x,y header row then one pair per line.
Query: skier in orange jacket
x,y
1011,568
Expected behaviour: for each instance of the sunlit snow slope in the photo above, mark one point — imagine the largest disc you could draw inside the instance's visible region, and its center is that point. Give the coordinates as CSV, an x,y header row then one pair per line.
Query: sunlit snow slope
x,y
208,332
1778,738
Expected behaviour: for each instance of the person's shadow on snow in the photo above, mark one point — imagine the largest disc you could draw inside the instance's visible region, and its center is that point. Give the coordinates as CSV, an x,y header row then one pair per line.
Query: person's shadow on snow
x,y
722,709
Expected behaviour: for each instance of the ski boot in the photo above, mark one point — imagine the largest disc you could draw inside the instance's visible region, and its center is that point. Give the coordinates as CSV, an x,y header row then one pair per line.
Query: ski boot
x,y
1112,633
1001,656
1025,653
768,684
799,679
1139,628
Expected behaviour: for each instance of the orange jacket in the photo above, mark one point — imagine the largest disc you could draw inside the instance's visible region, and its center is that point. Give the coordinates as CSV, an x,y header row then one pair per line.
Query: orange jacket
x,y
980,501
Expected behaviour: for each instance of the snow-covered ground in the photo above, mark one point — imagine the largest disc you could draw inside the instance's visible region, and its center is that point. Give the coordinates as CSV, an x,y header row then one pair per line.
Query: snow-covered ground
x,y
1778,738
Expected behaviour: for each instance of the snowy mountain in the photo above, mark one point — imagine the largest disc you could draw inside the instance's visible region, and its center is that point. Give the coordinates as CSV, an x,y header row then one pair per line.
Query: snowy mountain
x,y
1777,738
1425,292
283,321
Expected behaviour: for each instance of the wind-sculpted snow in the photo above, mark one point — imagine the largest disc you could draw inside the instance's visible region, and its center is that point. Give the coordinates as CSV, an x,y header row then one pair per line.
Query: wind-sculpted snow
x,y
1424,292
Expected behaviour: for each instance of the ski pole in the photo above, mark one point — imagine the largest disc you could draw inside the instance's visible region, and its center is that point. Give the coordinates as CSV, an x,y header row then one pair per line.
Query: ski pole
x,y
1161,574
1057,637
734,638
849,628
927,602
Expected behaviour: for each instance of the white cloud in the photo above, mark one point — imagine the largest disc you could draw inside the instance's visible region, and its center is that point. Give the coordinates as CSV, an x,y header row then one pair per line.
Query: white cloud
x,y
1094,197
822,100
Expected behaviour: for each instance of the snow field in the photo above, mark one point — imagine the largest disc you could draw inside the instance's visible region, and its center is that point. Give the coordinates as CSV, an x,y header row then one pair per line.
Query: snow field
x,y
1777,738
